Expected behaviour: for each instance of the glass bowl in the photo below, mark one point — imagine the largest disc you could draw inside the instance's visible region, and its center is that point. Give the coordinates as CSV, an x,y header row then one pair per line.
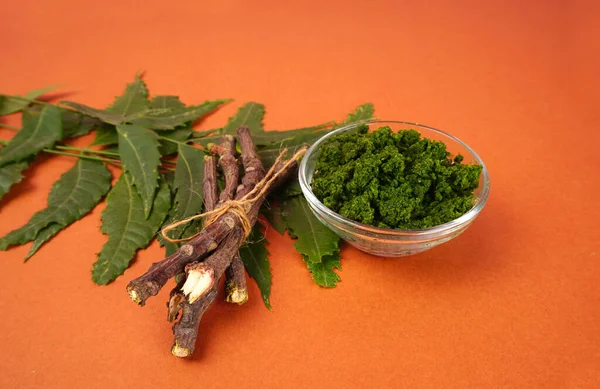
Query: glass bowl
x,y
394,242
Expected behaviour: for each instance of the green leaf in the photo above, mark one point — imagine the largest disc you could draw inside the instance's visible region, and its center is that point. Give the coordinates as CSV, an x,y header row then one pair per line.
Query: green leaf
x,y
269,153
11,174
168,102
12,104
189,172
74,123
170,118
34,94
127,227
170,248
106,136
138,149
274,215
189,198
292,189
34,137
42,237
275,138
29,115
105,116
315,240
205,133
360,114
179,135
249,115
322,273
133,100
75,193
254,254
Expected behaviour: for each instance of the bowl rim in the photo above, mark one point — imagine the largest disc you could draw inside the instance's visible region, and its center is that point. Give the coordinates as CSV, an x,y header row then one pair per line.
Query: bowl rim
x,y
441,229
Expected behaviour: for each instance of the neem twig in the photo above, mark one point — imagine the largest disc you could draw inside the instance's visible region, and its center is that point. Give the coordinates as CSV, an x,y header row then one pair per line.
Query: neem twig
x,y
185,331
235,274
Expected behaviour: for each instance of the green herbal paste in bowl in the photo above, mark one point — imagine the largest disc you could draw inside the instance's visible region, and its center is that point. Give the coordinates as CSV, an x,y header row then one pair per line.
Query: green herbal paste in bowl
x,y
393,180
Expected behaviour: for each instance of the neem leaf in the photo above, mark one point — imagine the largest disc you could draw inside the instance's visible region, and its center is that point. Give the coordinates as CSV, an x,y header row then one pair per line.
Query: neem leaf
x,y
274,215
42,237
315,240
106,136
170,248
322,273
11,174
138,149
12,104
168,102
169,179
75,193
34,137
127,227
249,115
105,116
275,138
189,172
74,124
269,153
179,135
189,199
254,254
170,118
34,94
133,100
205,133
361,113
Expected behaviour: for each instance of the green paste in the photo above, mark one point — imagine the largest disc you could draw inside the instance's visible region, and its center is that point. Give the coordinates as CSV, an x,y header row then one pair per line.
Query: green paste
x,y
393,180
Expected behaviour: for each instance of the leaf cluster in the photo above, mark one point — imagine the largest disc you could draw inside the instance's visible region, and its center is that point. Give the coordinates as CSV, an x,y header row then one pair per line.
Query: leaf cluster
x,y
161,156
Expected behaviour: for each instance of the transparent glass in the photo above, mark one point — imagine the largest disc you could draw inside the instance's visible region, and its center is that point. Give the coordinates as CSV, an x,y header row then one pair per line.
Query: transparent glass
x,y
394,242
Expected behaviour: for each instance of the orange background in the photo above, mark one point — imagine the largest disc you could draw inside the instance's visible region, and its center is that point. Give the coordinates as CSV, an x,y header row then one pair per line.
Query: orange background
x,y
513,303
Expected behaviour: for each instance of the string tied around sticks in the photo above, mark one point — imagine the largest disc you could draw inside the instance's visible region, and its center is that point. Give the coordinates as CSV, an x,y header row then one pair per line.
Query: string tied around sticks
x,y
239,208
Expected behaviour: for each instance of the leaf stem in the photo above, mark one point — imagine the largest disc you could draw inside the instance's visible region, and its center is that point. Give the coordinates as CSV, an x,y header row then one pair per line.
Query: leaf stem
x,y
171,140
34,101
114,162
204,134
86,150
9,127
83,156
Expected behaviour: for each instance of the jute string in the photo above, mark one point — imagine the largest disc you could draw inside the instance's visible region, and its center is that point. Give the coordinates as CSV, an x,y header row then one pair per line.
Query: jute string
x,y
239,208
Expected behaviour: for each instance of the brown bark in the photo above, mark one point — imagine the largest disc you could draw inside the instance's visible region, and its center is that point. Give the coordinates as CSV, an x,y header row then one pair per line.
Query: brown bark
x,y
186,329
209,183
229,167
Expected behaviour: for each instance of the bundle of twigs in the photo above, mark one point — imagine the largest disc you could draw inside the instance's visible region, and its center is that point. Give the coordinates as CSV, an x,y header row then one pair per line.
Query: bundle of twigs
x,y
213,251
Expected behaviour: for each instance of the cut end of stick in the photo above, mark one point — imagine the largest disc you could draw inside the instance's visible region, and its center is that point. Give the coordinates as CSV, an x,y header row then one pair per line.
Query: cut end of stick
x,y
133,294
180,352
198,283
236,295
